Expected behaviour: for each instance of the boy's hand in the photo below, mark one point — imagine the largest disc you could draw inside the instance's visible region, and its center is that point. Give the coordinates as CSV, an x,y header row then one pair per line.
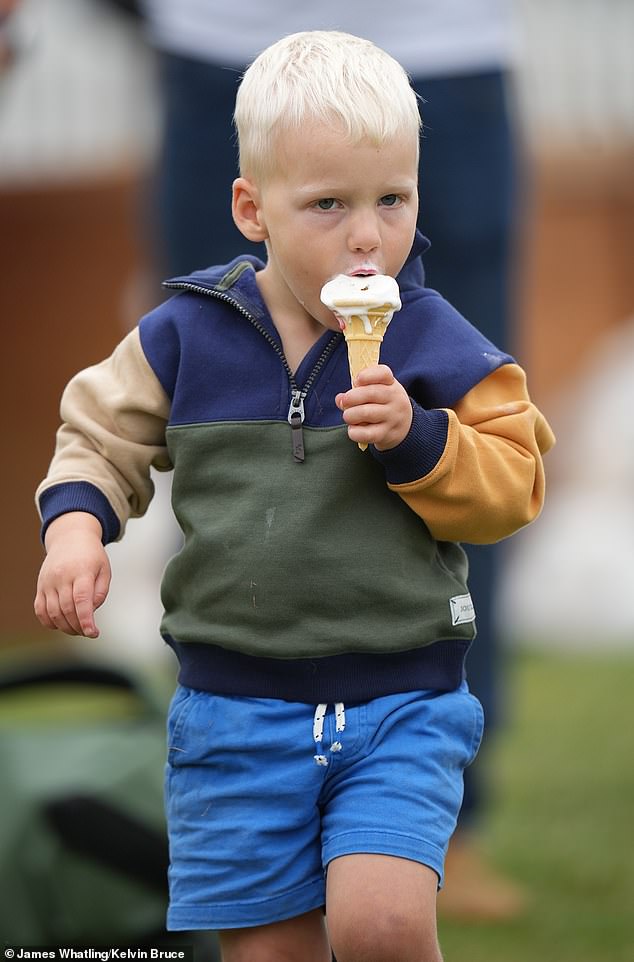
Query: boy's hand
x,y
75,576
377,409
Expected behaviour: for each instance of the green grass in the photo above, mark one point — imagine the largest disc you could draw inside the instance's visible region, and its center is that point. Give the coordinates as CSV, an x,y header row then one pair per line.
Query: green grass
x,y
562,823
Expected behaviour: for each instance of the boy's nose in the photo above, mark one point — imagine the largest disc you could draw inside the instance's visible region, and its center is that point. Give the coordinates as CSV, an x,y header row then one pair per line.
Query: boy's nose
x,y
364,234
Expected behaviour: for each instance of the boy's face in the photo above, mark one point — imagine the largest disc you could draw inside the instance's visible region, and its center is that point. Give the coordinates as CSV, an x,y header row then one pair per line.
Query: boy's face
x,y
334,208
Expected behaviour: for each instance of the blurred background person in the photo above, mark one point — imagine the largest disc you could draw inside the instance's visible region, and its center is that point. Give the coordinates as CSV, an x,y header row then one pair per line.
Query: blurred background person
x,y
459,54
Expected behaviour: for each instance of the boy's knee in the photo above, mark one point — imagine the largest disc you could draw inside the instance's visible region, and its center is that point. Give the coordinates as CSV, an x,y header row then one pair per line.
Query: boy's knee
x,y
390,937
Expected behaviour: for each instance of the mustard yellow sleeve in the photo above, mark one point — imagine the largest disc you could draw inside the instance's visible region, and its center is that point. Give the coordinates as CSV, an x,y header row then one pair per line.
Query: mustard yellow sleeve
x,y
114,416
489,480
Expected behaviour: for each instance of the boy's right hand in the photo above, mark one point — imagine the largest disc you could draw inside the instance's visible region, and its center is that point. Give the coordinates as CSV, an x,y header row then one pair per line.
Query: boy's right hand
x,y
75,576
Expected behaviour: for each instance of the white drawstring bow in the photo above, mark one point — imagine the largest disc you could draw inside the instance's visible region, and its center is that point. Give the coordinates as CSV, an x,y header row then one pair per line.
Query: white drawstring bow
x,y
318,730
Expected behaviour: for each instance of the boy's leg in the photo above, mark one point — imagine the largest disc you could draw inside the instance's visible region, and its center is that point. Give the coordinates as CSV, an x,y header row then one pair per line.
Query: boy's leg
x,y
382,909
302,939
389,805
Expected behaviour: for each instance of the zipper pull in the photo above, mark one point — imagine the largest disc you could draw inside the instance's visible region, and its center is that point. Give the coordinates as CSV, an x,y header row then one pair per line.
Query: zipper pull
x,y
296,419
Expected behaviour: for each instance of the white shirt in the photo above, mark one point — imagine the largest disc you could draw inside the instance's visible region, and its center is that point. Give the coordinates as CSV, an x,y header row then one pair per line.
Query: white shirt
x,y
428,37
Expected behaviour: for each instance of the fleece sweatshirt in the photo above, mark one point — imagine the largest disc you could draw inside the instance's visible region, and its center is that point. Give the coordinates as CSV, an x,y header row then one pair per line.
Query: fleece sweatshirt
x,y
310,570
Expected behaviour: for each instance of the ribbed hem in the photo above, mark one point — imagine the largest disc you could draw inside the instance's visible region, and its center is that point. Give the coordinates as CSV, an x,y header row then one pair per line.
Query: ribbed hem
x,y
79,496
351,677
420,451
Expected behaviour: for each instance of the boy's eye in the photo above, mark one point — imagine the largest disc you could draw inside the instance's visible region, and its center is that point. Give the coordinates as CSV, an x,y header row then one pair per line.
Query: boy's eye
x,y
326,203
390,200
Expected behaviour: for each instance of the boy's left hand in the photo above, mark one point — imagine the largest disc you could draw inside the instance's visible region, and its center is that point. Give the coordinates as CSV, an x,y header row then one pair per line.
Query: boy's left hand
x,y
377,409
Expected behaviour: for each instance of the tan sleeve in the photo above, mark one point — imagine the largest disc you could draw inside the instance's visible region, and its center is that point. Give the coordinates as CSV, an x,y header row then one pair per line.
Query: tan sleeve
x,y
489,481
113,430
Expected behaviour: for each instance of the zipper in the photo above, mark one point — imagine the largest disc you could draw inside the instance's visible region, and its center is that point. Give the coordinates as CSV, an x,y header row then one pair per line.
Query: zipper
x,y
296,414
296,419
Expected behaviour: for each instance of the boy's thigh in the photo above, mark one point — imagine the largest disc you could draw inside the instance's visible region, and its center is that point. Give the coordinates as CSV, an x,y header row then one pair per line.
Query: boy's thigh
x,y
382,908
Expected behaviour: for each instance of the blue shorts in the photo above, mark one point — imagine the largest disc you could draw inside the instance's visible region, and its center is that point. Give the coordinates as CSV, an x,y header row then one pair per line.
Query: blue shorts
x,y
262,794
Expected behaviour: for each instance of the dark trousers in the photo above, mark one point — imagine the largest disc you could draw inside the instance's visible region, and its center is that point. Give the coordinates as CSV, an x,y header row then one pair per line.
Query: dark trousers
x,y
468,181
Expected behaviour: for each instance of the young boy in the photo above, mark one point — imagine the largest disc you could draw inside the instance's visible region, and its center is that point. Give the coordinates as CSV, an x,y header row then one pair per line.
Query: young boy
x,y
318,607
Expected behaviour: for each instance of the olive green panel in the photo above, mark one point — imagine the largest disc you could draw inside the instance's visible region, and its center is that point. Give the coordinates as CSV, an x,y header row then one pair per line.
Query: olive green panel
x,y
291,559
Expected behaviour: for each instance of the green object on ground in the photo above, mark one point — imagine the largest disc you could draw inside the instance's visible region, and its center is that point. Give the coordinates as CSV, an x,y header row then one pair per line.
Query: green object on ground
x,y
82,838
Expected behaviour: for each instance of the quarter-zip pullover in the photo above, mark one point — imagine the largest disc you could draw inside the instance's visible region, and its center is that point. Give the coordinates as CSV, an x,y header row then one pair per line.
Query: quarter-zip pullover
x,y
310,570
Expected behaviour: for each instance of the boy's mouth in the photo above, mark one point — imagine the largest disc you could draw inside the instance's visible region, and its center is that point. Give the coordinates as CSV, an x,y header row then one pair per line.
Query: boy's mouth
x,y
363,272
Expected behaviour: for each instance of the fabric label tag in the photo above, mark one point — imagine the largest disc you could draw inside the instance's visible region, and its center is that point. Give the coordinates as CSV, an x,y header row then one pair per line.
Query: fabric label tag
x,y
462,610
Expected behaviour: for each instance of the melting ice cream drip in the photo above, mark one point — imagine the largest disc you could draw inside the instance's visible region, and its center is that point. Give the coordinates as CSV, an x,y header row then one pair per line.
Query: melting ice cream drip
x,y
372,298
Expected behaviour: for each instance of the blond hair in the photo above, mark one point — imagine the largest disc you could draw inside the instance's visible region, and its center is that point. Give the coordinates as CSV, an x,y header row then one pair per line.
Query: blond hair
x,y
323,76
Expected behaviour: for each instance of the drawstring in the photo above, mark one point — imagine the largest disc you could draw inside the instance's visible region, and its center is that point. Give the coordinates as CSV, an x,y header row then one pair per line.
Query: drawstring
x,y
318,730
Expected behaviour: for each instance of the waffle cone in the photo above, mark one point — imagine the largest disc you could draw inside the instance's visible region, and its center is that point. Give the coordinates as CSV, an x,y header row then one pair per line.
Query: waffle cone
x,y
364,349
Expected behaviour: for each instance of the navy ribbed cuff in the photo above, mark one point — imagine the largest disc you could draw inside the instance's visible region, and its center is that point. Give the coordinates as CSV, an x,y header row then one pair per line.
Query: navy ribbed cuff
x,y
79,496
420,451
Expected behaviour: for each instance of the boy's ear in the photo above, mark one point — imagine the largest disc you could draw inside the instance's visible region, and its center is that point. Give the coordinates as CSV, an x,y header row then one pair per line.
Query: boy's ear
x,y
247,211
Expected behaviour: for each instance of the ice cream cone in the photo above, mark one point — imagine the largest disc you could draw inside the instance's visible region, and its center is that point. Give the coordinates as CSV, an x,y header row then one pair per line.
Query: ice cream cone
x,y
364,306
364,348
